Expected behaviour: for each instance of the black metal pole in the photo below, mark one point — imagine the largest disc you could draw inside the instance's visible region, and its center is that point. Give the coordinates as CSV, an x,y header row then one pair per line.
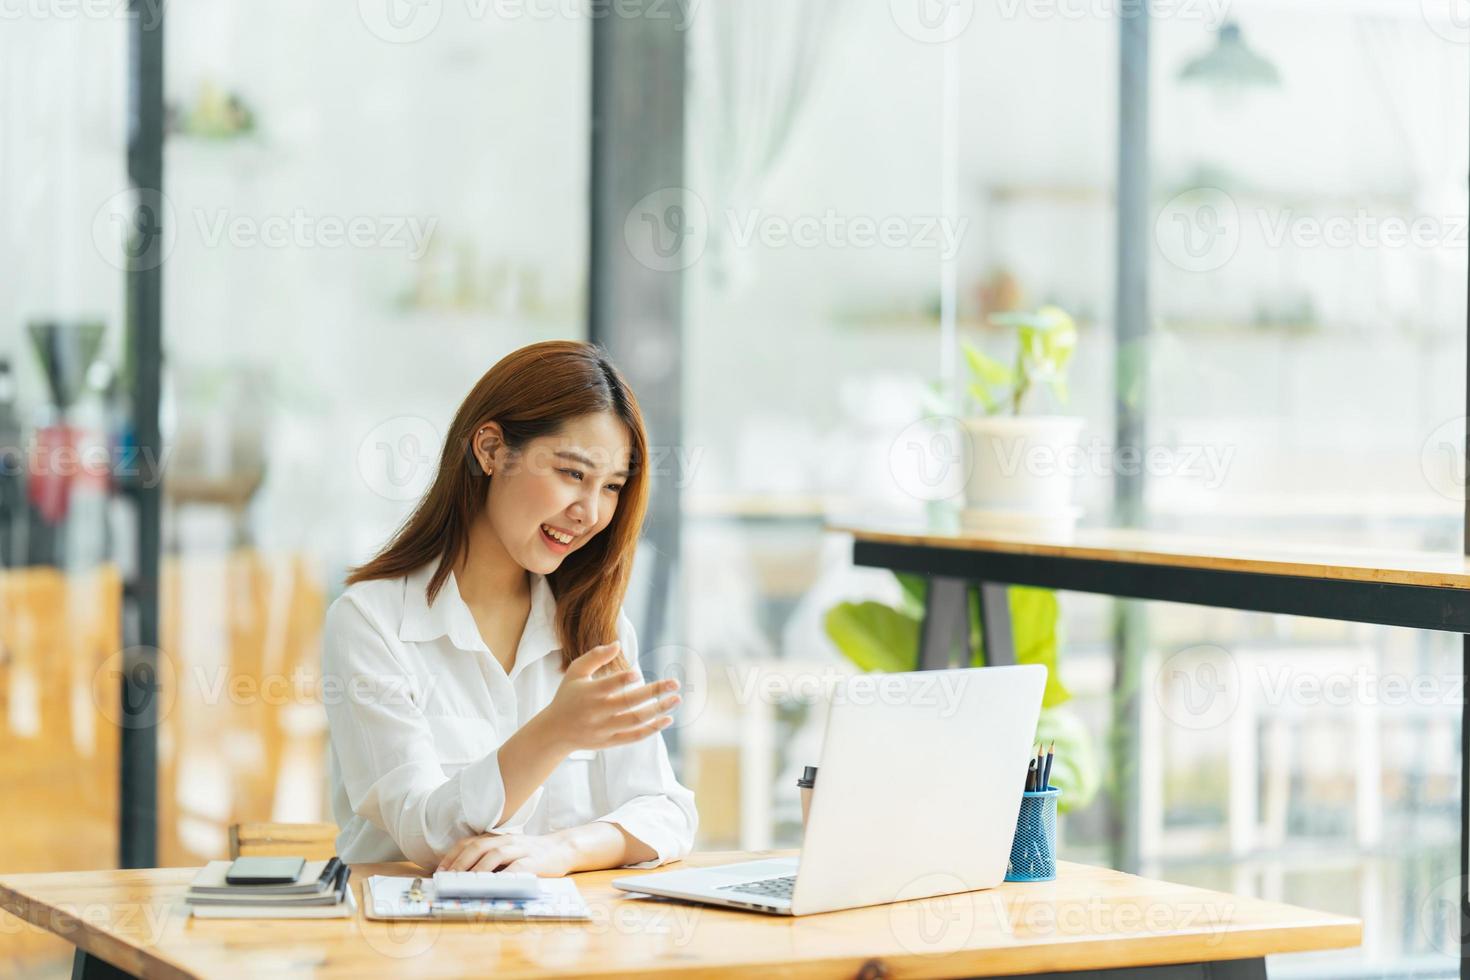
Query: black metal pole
x,y
1131,324
1465,672
639,250
138,769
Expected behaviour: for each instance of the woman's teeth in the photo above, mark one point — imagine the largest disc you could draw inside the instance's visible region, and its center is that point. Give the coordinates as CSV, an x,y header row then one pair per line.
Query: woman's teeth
x,y
556,535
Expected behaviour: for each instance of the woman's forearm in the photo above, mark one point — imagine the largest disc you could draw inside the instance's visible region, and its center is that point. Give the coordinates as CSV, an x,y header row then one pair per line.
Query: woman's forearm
x,y
527,759
597,845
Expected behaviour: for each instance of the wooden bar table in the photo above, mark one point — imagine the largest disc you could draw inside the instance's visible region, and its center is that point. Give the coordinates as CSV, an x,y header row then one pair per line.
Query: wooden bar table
x,y
1418,589
1104,923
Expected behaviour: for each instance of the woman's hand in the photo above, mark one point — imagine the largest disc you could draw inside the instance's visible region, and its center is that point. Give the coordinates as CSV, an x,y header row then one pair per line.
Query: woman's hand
x,y
590,712
546,855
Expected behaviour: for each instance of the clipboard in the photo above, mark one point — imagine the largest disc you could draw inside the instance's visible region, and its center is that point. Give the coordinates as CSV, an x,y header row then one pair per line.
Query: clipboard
x,y
387,898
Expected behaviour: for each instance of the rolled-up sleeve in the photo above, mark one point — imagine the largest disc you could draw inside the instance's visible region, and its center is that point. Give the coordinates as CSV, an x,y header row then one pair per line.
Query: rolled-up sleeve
x,y
384,747
647,801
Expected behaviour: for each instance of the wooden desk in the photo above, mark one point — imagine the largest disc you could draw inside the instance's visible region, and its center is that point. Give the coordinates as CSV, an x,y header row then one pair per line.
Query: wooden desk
x,y
1089,918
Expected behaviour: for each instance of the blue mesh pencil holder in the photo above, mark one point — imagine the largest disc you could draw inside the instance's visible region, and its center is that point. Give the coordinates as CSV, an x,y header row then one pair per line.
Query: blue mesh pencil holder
x,y
1034,848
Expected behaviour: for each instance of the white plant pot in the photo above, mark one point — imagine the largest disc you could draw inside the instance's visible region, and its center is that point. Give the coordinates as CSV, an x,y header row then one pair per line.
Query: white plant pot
x,y
1022,472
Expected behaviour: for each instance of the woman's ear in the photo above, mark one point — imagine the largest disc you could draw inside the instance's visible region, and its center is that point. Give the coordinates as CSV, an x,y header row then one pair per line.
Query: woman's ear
x,y
486,444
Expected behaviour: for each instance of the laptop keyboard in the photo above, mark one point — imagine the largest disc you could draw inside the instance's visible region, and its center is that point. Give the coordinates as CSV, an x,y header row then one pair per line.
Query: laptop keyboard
x,y
766,887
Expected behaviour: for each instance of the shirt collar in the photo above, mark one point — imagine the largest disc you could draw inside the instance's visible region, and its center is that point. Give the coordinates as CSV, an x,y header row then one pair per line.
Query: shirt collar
x,y
449,616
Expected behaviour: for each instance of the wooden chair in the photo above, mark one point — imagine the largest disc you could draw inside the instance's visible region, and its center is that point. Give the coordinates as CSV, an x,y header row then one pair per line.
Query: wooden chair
x,y
60,711
252,618
313,841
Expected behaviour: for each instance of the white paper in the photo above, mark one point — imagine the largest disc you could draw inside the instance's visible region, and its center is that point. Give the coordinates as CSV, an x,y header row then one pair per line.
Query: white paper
x,y
387,898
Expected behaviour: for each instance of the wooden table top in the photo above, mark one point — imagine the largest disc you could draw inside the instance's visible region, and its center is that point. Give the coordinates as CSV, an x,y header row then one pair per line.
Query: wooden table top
x,y
1089,917
1143,547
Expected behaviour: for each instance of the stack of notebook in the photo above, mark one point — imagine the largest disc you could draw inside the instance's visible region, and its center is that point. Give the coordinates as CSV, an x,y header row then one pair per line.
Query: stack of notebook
x,y
320,891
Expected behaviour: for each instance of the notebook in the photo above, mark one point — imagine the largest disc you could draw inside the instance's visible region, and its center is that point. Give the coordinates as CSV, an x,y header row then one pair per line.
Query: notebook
x,y
386,897
328,897
316,877
322,891
340,910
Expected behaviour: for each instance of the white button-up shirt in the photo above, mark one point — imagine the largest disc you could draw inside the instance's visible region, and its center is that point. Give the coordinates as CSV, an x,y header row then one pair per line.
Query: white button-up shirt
x,y
418,708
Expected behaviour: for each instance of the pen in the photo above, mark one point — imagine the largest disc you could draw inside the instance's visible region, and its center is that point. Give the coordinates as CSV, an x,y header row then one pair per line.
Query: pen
x,y
1046,771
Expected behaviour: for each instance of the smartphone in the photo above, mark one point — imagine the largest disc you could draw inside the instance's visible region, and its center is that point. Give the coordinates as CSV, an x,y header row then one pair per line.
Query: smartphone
x,y
264,870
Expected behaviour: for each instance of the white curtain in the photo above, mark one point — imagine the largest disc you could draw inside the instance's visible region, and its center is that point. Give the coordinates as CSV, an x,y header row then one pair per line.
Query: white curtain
x,y
754,67
1421,79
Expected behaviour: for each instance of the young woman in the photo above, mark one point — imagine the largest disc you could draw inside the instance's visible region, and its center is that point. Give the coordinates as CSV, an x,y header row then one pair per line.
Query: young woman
x,y
484,714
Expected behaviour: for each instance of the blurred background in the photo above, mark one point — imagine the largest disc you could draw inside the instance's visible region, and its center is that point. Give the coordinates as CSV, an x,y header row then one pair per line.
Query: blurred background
x,y
364,206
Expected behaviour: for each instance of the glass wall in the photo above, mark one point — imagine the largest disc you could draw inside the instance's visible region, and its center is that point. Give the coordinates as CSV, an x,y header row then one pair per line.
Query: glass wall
x,y
1309,296
370,212
811,327
1301,381
63,454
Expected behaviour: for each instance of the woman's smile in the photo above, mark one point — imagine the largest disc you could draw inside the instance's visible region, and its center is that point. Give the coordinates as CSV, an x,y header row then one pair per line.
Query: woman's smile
x,y
557,540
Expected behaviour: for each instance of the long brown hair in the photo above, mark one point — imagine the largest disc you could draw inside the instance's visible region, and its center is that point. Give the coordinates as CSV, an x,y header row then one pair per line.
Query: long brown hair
x,y
532,392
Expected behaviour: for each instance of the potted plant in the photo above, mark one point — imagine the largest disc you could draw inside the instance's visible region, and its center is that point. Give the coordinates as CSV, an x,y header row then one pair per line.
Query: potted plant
x,y
1020,477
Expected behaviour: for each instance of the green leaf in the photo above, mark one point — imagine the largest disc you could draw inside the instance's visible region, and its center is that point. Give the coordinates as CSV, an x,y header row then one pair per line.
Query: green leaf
x,y
1035,632
982,397
874,636
915,588
988,373
1058,338
986,368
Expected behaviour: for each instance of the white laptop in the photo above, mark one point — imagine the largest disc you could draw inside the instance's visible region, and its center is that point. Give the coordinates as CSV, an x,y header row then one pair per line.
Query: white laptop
x,y
935,760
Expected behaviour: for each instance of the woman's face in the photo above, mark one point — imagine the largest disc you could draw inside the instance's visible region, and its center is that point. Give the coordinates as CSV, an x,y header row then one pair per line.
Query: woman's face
x,y
559,490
